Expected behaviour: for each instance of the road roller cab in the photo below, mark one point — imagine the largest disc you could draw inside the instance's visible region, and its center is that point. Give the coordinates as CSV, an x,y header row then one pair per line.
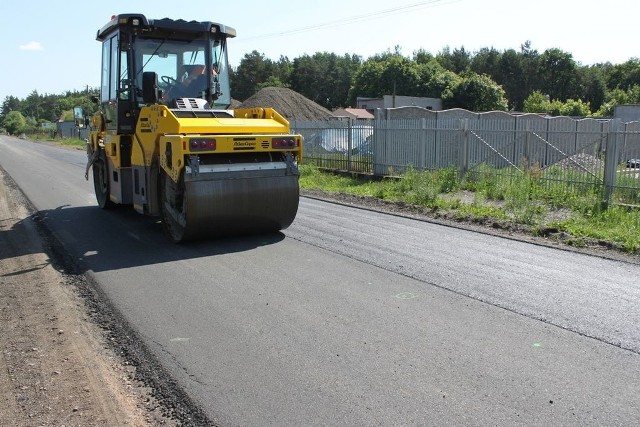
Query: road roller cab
x,y
166,142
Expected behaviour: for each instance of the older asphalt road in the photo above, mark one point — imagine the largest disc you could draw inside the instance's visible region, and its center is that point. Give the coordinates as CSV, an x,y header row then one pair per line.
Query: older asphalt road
x,y
357,318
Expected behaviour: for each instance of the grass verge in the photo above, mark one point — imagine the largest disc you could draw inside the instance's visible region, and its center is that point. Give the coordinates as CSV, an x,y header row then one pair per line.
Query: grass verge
x,y
526,200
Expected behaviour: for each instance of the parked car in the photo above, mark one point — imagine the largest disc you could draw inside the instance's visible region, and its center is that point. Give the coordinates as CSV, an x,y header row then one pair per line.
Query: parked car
x,y
633,163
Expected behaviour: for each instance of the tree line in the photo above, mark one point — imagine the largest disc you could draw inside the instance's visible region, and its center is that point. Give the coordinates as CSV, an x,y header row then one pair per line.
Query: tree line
x,y
522,80
29,114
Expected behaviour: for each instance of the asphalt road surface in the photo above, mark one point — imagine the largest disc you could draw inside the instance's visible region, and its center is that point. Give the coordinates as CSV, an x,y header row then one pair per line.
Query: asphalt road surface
x,y
352,317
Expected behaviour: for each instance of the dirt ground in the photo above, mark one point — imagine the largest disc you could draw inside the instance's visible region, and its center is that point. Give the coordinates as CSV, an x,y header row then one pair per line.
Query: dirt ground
x,y
55,366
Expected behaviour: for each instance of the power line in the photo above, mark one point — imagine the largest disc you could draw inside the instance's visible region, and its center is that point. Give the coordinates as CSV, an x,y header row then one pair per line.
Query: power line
x,y
352,19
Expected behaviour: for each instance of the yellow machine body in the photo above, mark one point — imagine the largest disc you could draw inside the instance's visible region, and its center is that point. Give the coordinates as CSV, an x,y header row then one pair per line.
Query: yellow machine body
x,y
204,169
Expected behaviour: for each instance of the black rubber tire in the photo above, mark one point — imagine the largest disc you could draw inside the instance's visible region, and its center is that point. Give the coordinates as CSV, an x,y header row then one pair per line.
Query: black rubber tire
x,y
172,196
101,182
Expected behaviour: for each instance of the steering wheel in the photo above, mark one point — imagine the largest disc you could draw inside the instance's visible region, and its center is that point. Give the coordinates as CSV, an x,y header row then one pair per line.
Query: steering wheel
x,y
168,80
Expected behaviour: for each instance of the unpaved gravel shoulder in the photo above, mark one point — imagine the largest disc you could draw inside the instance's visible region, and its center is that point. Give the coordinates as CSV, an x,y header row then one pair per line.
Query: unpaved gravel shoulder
x,y
55,368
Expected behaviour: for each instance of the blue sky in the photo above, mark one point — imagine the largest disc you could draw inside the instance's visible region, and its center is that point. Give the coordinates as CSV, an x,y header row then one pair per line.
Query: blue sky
x,y
50,46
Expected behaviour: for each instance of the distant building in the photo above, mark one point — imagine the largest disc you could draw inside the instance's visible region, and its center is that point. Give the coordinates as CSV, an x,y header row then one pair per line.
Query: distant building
x,y
627,112
354,113
69,129
393,101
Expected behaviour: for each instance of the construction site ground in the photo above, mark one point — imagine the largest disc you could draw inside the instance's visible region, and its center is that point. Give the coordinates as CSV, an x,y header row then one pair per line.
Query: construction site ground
x,y
56,368
63,365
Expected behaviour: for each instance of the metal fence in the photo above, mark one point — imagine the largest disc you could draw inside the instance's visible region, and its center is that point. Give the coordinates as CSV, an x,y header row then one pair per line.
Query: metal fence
x,y
603,155
338,144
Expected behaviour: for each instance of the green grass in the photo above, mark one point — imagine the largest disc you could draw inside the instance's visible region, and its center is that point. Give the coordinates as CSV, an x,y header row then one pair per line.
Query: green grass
x,y
69,142
535,199
74,142
618,224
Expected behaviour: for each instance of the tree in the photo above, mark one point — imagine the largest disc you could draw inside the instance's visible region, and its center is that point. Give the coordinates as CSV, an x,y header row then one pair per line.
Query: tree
x,y
435,81
530,60
558,74
486,61
384,75
400,76
10,103
623,76
32,106
458,61
15,123
617,97
253,70
366,81
536,102
423,57
510,76
477,93
272,81
324,78
575,108
592,85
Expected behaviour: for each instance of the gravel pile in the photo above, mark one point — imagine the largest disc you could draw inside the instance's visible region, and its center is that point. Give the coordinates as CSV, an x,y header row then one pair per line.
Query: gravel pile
x,y
587,162
288,103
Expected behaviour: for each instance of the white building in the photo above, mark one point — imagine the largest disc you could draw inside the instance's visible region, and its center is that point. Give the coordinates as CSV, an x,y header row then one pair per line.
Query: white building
x,y
393,101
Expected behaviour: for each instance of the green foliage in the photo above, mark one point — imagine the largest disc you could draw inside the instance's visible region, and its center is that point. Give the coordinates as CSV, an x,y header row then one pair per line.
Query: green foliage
x,y
253,71
575,108
36,109
324,78
516,71
480,81
525,198
623,76
74,142
520,199
423,57
479,211
618,96
486,61
593,87
477,93
558,71
10,103
418,188
512,76
384,75
67,116
311,177
458,61
555,107
486,182
272,81
619,225
15,123
536,102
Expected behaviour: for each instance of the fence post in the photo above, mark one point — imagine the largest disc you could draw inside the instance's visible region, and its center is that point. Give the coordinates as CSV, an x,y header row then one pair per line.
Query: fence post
x,y
527,147
379,135
422,142
349,144
611,161
463,160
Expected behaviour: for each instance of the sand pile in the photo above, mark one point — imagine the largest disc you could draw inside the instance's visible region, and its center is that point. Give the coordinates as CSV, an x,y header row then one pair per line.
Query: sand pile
x,y
289,103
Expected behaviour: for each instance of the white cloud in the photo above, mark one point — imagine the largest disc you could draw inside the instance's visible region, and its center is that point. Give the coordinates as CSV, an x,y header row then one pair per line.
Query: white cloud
x,y
32,46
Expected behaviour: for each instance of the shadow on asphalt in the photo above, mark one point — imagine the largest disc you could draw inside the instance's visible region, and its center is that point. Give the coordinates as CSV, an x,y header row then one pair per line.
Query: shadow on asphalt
x,y
90,238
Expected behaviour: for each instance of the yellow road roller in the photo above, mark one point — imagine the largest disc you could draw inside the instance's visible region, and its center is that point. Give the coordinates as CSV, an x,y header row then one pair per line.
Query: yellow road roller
x,y
165,140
